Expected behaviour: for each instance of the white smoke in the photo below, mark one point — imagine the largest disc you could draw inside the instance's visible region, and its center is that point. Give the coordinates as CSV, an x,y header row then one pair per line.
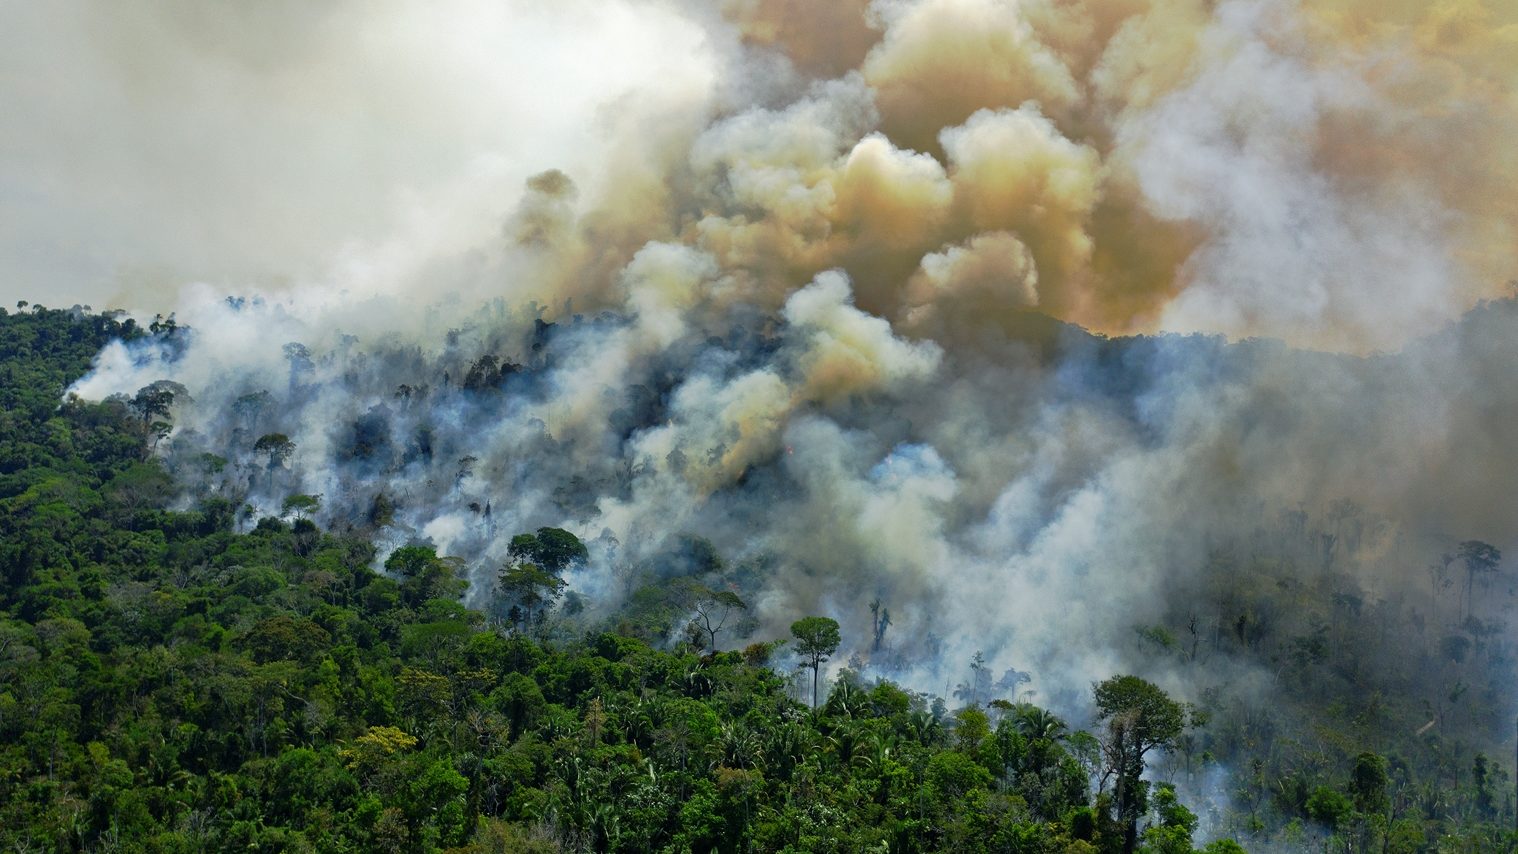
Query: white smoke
x,y
742,293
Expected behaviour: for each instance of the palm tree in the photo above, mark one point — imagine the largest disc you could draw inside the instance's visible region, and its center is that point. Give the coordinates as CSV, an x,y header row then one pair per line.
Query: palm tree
x,y
847,700
786,746
1036,723
927,729
738,747
877,750
845,745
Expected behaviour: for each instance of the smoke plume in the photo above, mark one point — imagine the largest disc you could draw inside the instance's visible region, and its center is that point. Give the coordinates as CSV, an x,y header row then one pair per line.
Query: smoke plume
x,y
831,285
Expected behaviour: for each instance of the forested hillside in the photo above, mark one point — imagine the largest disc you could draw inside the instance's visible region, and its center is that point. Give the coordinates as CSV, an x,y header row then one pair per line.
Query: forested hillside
x,y
196,679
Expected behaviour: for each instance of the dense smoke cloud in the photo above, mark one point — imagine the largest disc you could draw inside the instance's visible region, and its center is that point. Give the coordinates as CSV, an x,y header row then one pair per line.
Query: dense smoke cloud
x,y
810,309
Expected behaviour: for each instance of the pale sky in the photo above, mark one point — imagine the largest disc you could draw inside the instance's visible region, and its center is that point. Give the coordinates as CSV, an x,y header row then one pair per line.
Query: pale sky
x,y
147,145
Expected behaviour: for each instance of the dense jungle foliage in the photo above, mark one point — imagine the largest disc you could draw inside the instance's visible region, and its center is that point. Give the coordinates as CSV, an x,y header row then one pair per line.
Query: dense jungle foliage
x,y
170,684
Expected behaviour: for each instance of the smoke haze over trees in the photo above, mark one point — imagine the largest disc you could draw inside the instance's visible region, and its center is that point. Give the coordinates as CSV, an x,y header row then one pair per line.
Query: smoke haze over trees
x,y
1071,339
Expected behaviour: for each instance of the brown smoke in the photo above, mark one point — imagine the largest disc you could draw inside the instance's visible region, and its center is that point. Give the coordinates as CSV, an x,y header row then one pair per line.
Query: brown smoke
x,y
1149,158
822,39
1335,173
793,295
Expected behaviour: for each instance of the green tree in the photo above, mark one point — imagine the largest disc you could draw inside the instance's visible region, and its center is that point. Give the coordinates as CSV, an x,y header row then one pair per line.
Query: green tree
x,y
1368,782
1140,718
278,448
1172,834
1329,807
529,583
817,638
423,574
299,505
554,549
155,400
1481,778
284,636
530,590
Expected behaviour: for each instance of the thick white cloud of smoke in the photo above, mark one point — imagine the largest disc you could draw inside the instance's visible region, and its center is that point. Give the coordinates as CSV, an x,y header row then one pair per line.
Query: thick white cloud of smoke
x,y
779,290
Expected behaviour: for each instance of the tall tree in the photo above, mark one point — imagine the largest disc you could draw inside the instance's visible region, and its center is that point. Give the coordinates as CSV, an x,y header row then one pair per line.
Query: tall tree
x,y
880,620
424,575
300,504
553,549
531,590
1439,581
1140,718
1478,557
279,448
530,580
155,399
709,609
817,638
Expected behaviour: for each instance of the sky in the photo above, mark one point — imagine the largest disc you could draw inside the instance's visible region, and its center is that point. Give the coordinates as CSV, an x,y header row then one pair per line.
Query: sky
x,y
145,146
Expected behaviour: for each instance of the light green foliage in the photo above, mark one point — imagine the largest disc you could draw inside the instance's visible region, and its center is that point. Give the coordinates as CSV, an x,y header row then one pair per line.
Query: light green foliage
x,y
424,575
300,506
1152,719
1172,834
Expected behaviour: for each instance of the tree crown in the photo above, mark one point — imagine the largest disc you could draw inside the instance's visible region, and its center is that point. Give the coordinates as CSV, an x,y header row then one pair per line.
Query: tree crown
x,y
1153,719
816,638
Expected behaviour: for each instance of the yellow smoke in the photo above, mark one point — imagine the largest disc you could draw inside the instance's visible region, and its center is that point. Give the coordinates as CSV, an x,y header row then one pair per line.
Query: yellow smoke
x,y
946,144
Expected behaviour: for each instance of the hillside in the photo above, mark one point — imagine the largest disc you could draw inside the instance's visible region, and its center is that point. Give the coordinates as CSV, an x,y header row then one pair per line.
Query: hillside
x,y
196,679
